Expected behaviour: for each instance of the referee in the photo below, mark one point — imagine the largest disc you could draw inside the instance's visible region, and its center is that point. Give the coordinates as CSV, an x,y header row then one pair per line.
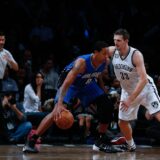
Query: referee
x,y
6,58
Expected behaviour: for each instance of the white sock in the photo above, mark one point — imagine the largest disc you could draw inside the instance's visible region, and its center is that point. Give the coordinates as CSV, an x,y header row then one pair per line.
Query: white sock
x,y
130,142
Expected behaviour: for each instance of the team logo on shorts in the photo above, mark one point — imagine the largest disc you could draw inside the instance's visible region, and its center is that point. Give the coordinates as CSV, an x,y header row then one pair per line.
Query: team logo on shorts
x,y
154,104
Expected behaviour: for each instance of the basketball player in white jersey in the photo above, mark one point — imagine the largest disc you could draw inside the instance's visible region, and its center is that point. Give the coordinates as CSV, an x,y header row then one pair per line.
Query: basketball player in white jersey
x,y
137,87
6,58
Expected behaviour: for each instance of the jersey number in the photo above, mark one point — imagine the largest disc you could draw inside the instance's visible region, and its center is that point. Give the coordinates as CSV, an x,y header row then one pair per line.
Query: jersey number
x,y
88,81
124,76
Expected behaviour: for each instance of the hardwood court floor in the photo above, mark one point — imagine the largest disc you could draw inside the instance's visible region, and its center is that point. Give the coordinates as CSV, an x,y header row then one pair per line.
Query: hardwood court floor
x,y
76,152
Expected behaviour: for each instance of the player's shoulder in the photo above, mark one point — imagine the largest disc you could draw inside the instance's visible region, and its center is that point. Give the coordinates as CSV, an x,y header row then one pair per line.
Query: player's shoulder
x,y
80,63
80,60
137,56
83,58
136,52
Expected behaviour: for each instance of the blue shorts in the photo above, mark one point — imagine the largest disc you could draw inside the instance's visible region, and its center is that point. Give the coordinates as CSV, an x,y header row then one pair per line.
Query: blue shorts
x,y
86,94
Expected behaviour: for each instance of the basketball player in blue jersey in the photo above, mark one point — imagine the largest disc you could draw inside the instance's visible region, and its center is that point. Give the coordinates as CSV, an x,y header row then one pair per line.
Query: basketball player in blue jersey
x,y
137,87
80,80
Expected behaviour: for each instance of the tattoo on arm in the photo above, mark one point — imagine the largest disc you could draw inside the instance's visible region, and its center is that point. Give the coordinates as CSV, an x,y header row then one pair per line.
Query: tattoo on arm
x,y
77,68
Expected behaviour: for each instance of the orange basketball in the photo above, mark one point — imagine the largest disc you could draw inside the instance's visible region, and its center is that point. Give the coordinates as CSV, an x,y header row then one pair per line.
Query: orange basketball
x,y
66,121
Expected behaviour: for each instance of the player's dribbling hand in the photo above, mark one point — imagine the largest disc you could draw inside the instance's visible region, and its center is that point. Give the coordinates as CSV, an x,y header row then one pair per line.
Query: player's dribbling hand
x,y
57,111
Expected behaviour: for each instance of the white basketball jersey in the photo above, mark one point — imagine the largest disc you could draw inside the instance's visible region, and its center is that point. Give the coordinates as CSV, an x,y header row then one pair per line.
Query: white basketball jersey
x,y
125,70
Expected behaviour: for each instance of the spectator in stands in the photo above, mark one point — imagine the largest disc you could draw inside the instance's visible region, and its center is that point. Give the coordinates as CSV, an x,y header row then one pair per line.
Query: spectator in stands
x,y
50,78
85,119
153,131
9,85
27,64
21,82
85,116
6,58
14,126
34,98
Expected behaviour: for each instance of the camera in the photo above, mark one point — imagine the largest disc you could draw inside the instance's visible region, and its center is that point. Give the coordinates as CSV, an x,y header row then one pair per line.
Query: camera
x,y
12,101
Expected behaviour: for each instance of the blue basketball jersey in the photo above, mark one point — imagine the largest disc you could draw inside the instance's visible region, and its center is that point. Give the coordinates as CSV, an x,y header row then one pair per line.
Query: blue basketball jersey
x,y
85,86
91,73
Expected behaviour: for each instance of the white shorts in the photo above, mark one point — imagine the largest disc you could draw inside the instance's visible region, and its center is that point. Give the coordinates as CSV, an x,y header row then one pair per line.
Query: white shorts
x,y
148,98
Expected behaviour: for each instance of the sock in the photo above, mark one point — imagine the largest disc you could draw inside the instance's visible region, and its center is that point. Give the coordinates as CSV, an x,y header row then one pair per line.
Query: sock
x,y
130,142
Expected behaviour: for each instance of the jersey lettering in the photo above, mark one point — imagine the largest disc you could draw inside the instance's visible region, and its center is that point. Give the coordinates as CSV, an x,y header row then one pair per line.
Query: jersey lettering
x,y
124,76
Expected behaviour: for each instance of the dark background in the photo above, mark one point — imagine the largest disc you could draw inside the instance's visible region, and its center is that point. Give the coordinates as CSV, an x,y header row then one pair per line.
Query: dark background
x,y
66,28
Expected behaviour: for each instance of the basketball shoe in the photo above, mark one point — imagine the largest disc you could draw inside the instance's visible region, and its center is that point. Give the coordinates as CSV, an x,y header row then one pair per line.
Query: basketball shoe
x,y
127,148
32,144
104,144
30,147
101,141
118,141
111,149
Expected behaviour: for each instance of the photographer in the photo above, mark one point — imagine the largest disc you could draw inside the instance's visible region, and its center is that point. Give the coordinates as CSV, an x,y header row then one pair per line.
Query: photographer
x,y
13,124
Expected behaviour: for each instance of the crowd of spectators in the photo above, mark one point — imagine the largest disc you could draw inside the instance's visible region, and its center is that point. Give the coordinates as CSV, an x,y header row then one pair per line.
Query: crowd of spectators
x,y
65,28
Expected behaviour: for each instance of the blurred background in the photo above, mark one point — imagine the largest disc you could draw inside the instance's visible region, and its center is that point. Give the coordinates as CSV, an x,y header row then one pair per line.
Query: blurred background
x,y
63,29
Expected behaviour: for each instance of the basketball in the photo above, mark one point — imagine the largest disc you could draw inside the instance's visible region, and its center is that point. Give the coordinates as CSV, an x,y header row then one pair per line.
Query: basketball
x,y
66,121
